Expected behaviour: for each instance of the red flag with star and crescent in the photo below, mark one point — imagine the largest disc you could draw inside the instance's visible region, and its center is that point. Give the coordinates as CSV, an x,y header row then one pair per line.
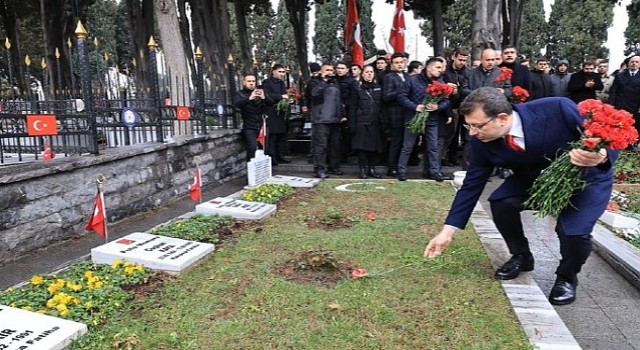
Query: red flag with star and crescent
x,y
41,125
396,38
352,33
195,191
48,153
97,222
262,134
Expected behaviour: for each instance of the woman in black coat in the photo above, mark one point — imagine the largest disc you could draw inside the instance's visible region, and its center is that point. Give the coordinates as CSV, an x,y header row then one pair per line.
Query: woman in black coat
x,y
364,122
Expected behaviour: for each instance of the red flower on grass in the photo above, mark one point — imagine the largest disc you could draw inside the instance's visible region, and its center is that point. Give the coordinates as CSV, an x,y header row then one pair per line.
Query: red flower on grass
x,y
371,216
358,273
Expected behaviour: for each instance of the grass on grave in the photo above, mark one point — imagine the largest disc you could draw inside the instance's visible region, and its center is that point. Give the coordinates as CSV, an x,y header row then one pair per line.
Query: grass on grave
x,y
234,300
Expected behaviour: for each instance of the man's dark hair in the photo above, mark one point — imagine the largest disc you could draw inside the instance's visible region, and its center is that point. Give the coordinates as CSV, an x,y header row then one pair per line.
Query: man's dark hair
x,y
246,74
541,60
342,63
435,59
589,63
381,58
460,52
509,47
413,65
276,66
396,55
489,99
381,53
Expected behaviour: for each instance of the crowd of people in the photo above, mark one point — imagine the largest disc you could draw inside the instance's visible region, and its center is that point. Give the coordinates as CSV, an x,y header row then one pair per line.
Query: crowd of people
x,y
364,111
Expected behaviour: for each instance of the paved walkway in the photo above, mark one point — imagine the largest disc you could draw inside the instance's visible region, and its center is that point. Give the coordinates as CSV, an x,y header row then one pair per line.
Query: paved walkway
x,y
606,315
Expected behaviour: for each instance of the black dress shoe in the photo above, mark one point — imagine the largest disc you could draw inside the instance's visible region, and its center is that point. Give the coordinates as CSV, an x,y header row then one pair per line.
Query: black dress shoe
x,y
438,177
321,174
563,292
512,268
392,172
284,161
402,177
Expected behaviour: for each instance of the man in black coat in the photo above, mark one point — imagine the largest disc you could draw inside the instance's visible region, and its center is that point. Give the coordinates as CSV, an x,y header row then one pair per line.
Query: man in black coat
x,y
345,81
521,76
540,81
583,84
393,111
252,104
625,91
275,88
456,76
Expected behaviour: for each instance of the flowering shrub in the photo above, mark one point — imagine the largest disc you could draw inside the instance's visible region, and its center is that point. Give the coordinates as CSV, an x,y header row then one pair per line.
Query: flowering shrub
x,y
200,228
293,96
268,193
87,293
435,92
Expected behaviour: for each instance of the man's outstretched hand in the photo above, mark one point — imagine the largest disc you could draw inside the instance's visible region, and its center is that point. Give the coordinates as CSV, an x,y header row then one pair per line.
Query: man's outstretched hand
x,y
439,243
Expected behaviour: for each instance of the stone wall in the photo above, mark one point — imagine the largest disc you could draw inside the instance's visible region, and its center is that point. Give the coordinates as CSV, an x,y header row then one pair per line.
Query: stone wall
x,y
46,202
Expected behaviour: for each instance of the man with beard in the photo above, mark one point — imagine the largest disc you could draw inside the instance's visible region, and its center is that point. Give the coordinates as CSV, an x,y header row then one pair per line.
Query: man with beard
x,y
252,104
275,88
583,84
456,76
521,76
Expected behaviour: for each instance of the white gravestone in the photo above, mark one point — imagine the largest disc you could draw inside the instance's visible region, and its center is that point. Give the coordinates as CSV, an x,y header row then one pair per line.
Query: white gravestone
x,y
26,330
259,169
236,208
155,252
294,181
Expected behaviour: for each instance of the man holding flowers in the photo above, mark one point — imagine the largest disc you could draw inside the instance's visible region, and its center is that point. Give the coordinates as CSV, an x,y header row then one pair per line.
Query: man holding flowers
x,y
426,101
526,138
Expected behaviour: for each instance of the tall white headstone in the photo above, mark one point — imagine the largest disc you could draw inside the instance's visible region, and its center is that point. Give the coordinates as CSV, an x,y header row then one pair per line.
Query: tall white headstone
x,y
259,169
26,330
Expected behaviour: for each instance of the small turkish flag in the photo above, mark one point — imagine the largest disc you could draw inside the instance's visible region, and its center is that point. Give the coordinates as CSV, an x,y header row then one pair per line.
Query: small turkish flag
x,y
262,133
195,191
97,222
41,125
48,154
182,113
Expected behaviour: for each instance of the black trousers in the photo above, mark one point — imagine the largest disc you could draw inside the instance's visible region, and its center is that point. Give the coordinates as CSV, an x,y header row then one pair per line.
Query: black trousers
x,y
326,146
574,249
396,136
251,142
276,144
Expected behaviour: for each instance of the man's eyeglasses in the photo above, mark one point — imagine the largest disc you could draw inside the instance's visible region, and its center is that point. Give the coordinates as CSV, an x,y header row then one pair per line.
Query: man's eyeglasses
x,y
477,126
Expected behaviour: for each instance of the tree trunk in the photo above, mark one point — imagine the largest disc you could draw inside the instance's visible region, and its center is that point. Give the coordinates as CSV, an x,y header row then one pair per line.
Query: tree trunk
x,y
174,51
438,31
186,39
512,18
298,18
486,28
241,21
141,22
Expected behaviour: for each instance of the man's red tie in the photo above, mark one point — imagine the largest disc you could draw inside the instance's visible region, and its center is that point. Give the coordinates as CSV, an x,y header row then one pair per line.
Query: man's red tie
x,y
511,143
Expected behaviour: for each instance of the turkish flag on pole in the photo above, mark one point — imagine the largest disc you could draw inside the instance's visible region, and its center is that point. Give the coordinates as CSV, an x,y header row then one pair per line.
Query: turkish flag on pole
x,y
195,191
352,34
262,133
396,38
98,222
48,154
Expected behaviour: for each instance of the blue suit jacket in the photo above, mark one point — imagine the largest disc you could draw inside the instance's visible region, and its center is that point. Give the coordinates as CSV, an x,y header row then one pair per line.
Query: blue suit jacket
x,y
549,125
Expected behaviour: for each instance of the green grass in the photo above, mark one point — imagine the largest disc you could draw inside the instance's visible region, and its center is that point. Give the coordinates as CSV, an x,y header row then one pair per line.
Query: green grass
x,y
234,300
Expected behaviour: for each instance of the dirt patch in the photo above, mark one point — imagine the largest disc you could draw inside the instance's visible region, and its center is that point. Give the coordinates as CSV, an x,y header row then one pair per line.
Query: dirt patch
x,y
329,224
147,288
317,267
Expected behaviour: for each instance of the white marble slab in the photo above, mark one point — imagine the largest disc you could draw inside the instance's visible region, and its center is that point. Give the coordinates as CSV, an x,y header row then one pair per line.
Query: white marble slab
x,y
294,181
236,208
617,220
26,330
155,252
259,169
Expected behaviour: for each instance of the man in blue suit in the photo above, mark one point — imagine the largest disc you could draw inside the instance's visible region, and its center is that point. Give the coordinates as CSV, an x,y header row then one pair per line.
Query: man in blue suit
x,y
524,139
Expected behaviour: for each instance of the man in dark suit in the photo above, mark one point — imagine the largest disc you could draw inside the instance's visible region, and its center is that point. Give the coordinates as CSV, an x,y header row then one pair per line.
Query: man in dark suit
x,y
252,103
393,111
583,84
625,91
539,130
276,90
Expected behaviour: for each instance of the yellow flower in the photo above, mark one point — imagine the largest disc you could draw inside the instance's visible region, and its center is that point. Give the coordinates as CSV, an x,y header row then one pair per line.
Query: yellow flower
x,y
36,280
127,264
51,303
88,304
27,308
42,312
9,290
139,268
129,270
62,308
115,264
53,287
88,274
13,305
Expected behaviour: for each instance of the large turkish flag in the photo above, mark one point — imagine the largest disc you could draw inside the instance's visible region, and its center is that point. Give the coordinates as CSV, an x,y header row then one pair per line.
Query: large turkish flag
x,y
41,125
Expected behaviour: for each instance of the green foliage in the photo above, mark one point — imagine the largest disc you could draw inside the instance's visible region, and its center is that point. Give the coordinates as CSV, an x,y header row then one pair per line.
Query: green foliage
x,y
533,29
327,43
578,30
457,20
87,293
200,228
262,26
282,47
268,193
632,33
367,27
627,167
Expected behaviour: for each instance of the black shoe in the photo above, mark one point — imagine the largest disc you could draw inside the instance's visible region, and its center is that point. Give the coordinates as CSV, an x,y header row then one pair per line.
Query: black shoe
x,y
283,161
426,175
373,173
321,174
402,177
392,172
512,268
438,177
563,292
335,171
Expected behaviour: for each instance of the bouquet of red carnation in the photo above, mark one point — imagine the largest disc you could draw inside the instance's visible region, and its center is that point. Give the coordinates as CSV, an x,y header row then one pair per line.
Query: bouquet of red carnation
x,y
518,95
505,75
604,127
436,91
293,96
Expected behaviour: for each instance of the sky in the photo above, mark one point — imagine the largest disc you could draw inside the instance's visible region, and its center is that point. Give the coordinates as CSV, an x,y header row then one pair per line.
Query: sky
x,y
418,48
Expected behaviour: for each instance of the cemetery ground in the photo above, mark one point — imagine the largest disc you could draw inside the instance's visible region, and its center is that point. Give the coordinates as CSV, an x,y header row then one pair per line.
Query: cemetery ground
x,y
286,282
